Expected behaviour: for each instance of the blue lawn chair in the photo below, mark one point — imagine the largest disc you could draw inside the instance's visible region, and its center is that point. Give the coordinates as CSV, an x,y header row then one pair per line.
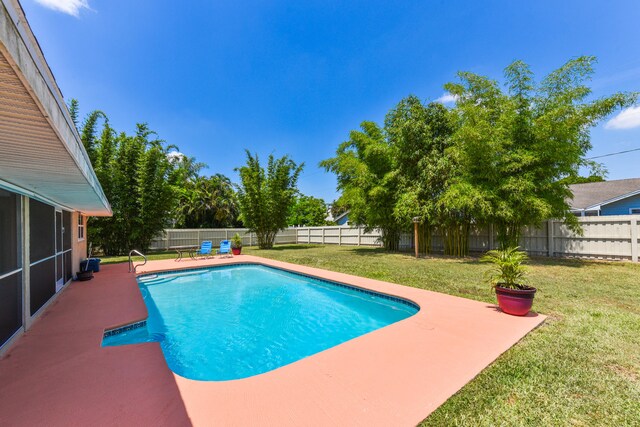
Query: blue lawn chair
x,y
225,248
205,249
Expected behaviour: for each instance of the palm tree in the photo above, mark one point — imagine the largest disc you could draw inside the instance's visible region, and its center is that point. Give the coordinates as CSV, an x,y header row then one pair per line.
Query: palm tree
x,y
210,202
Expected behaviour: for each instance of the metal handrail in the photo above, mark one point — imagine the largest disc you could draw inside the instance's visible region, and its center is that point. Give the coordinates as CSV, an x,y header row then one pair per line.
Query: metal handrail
x,y
131,266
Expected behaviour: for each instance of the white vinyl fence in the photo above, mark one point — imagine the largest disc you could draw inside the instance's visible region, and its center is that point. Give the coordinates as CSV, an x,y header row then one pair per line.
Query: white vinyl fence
x,y
604,237
175,237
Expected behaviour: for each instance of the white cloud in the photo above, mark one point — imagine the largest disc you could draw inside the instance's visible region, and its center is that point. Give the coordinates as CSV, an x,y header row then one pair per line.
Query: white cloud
x,y
447,98
71,7
626,119
175,156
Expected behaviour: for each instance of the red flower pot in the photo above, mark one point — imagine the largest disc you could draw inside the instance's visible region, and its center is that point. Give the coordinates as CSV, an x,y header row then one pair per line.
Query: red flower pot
x,y
236,251
515,301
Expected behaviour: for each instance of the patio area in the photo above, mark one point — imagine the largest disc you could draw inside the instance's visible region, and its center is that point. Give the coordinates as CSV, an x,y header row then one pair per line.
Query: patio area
x,y
58,374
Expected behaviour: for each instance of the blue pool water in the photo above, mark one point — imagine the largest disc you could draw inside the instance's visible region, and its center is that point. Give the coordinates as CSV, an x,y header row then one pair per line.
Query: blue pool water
x,y
233,322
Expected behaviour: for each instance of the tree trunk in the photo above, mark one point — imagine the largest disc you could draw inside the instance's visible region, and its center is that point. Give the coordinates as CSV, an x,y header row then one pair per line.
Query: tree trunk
x,y
424,239
391,240
509,235
265,239
456,239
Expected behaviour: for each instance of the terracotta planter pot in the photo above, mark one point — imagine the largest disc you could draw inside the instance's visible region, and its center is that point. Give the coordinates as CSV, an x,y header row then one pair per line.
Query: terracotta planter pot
x,y
236,251
515,301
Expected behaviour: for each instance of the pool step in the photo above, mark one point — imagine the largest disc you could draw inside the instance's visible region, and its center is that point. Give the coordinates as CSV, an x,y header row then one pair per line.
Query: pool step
x,y
134,333
154,279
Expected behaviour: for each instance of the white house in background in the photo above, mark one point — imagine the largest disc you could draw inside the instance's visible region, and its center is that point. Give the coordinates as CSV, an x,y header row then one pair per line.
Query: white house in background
x,y
343,219
329,215
616,197
47,184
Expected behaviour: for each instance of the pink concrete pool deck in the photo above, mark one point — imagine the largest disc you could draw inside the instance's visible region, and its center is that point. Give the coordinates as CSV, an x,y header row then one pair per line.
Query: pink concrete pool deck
x,y
58,374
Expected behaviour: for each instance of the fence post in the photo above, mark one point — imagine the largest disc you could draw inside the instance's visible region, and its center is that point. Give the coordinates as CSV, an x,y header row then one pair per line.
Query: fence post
x,y
340,236
550,243
168,239
250,239
199,237
634,239
359,235
226,234
323,235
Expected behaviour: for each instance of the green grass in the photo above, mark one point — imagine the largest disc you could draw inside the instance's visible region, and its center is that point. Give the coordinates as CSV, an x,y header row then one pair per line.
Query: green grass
x,y
581,367
137,259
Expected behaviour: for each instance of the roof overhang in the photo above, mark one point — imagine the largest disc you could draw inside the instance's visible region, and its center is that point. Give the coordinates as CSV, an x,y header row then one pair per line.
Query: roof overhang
x,y
342,215
41,153
613,200
576,210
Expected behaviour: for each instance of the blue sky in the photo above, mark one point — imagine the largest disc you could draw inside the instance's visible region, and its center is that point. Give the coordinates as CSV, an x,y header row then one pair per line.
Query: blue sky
x,y
294,78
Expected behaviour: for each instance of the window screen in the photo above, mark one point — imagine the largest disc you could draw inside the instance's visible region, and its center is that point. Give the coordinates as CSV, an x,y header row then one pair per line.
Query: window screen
x,y
42,234
10,306
9,232
43,283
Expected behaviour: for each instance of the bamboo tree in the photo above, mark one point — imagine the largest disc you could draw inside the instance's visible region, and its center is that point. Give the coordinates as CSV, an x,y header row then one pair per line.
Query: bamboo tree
x,y
156,195
89,131
74,111
514,147
134,174
265,196
419,136
364,166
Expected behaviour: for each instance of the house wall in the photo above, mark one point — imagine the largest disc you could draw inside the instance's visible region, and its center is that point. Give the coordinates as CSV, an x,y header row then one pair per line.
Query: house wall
x,y
343,220
45,174
79,245
621,207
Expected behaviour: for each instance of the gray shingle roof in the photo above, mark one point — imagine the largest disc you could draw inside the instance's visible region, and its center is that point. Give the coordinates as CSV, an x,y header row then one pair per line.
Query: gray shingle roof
x,y
594,193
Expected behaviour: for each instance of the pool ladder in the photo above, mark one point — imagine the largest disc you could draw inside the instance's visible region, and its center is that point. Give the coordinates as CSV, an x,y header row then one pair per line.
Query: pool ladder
x,y
131,266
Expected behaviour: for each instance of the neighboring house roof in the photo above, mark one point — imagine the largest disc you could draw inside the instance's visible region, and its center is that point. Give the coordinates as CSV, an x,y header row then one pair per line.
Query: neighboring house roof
x,y
339,217
41,154
592,195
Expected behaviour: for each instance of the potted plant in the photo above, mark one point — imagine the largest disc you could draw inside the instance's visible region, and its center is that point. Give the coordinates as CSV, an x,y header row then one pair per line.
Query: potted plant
x,y
85,273
507,278
236,244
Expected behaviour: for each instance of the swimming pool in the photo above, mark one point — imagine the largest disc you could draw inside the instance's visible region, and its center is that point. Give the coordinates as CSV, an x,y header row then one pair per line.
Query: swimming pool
x,y
232,322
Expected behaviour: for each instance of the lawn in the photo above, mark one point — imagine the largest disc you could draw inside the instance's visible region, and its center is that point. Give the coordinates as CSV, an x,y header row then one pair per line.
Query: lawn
x,y
582,367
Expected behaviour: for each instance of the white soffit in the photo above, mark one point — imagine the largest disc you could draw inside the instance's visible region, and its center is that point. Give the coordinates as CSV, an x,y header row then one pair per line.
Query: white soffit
x,y
40,150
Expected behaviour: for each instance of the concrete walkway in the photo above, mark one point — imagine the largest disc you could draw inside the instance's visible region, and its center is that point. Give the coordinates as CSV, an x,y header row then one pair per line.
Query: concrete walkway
x,y
58,374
